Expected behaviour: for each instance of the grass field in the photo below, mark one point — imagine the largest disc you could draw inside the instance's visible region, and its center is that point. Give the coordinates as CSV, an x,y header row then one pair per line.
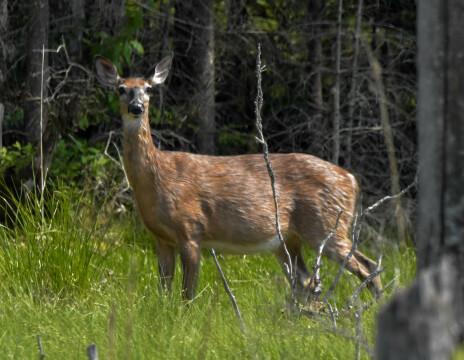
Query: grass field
x,y
80,276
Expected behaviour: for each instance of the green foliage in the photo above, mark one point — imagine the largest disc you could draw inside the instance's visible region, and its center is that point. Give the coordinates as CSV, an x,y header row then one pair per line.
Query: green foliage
x,y
121,47
16,156
76,160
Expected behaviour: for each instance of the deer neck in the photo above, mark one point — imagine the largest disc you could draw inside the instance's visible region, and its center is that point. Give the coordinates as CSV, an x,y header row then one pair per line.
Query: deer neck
x,y
140,154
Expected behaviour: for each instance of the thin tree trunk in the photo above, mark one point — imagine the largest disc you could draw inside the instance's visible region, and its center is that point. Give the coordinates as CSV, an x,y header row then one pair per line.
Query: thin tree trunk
x,y
395,188
235,88
3,44
195,80
337,115
78,19
314,11
206,111
354,84
37,37
3,58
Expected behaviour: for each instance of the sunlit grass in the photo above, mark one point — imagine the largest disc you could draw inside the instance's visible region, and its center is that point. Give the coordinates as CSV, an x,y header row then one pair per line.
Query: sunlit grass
x,y
82,277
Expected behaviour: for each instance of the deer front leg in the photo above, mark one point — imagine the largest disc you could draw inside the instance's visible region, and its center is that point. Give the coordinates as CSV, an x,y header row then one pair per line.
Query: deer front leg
x,y
166,264
190,257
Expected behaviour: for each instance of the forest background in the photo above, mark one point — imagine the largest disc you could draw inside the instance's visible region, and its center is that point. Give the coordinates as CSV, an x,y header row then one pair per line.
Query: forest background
x,y
339,83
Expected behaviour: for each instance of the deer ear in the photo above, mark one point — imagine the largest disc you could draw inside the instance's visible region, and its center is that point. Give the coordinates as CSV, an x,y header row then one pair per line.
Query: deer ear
x,y
106,72
161,71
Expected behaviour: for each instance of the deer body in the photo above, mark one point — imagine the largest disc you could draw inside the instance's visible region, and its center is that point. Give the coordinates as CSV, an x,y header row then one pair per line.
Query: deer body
x,y
190,202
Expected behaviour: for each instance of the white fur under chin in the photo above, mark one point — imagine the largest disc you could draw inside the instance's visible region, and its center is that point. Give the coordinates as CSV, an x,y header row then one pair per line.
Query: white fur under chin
x,y
131,123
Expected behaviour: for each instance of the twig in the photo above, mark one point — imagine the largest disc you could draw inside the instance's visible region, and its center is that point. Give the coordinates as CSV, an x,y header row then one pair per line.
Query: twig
x,y
389,197
315,277
356,232
358,290
42,177
345,260
358,335
332,315
229,292
39,345
119,162
366,305
108,143
262,141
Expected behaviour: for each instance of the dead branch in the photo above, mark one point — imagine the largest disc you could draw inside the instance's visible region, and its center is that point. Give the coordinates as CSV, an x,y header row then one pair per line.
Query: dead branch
x,y
315,277
358,220
262,141
229,292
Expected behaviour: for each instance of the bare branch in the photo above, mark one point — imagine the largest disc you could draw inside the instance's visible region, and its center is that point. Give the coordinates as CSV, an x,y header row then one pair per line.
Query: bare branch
x,y
262,141
315,277
358,290
389,197
358,335
229,292
356,230
355,238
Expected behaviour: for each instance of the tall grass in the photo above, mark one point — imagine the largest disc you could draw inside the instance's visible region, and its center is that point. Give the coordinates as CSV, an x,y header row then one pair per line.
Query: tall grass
x,y
51,258
83,276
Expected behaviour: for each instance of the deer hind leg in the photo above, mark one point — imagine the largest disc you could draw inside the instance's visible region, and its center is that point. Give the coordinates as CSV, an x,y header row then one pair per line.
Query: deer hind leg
x,y
358,264
166,264
190,258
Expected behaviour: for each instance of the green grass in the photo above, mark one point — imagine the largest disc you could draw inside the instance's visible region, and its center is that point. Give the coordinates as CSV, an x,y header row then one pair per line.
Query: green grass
x,y
81,276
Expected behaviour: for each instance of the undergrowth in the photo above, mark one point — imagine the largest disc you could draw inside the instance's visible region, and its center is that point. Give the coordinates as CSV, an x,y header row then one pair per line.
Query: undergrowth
x,y
78,275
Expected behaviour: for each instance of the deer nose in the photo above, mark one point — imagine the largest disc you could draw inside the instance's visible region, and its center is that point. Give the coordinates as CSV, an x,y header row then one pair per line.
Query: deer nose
x,y
135,108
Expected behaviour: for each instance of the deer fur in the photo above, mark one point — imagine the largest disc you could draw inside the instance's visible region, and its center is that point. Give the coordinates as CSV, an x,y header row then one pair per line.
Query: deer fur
x,y
189,202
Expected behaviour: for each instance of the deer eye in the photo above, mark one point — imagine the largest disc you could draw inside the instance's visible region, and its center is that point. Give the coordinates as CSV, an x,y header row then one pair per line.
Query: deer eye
x,y
122,90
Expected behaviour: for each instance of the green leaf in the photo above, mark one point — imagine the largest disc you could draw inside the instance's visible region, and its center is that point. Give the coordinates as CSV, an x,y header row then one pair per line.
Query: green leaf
x,y
137,47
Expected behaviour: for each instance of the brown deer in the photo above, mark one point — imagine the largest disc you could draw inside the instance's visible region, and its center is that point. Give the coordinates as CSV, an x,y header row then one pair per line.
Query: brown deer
x,y
190,201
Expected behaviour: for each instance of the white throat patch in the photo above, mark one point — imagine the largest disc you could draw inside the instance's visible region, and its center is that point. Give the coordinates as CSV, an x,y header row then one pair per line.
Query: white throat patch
x,y
132,123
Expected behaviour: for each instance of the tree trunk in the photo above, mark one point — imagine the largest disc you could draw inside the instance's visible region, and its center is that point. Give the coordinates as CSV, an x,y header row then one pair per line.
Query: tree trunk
x,y
36,117
395,188
314,12
3,58
337,115
427,321
3,44
236,107
194,60
354,84
78,19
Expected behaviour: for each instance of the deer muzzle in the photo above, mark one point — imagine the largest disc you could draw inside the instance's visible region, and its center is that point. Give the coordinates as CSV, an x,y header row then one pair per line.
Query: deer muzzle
x,y
136,108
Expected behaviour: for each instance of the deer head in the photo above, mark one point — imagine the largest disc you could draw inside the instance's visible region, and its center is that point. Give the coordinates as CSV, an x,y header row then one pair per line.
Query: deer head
x,y
134,92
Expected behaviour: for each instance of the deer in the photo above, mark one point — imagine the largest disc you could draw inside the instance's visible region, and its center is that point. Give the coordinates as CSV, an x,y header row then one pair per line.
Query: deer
x,y
191,202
